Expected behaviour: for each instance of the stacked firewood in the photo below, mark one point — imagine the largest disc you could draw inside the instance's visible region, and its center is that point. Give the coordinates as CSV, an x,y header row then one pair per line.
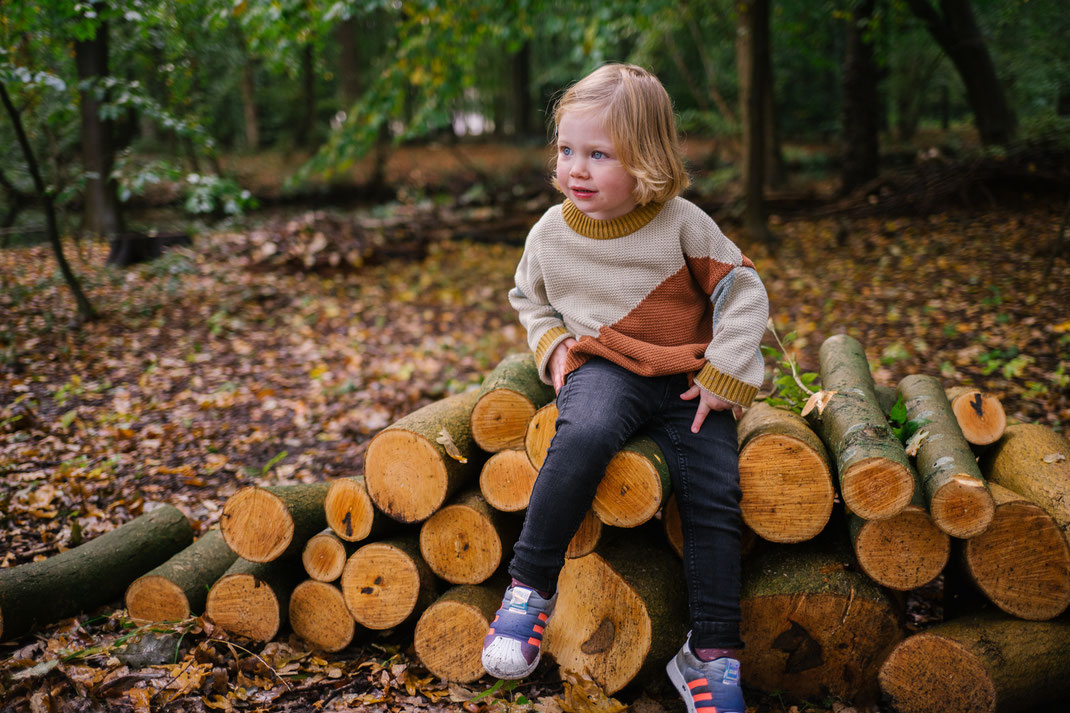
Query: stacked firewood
x,y
840,519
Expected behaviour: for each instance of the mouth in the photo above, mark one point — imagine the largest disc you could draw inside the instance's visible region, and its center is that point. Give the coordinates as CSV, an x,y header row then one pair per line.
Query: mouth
x,y
581,192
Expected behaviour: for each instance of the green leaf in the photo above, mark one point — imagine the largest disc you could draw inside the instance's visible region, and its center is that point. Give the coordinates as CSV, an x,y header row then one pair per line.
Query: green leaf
x,y
770,352
898,413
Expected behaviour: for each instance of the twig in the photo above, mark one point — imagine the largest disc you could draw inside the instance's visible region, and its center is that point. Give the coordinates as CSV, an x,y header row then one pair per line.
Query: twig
x,y
257,657
790,360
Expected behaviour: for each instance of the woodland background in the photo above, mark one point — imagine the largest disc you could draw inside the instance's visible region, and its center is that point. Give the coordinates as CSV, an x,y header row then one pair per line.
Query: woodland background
x,y
357,179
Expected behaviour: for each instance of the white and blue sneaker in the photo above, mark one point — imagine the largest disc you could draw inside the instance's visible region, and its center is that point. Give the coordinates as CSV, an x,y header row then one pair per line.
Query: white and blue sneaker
x,y
706,686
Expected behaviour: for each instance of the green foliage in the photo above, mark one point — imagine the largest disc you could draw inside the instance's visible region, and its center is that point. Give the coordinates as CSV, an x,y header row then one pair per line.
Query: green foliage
x,y
213,194
903,427
791,389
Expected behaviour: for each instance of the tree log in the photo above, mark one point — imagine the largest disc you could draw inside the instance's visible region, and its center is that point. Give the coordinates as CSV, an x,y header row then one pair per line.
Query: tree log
x,y
252,598
980,415
94,573
541,430
507,479
409,473
325,556
1033,461
980,664
318,614
876,479
959,503
621,613
1021,563
265,524
901,552
635,485
674,532
784,474
813,626
449,635
586,538
463,542
386,584
351,514
177,589
507,400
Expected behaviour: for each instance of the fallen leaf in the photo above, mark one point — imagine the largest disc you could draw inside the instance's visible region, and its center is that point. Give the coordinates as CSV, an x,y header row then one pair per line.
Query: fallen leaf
x,y
819,401
915,442
582,695
451,448
1053,458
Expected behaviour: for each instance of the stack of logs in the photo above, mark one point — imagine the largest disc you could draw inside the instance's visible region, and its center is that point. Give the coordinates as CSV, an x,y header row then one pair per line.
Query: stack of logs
x,y
419,543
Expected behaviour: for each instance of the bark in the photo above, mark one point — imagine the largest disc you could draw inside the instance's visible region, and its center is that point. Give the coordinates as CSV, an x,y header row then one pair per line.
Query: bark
x,y
463,542
351,514
507,479
449,635
980,415
177,589
248,100
755,24
348,63
861,102
94,573
386,584
264,524
784,474
507,400
252,598
306,118
522,103
409,473
540,432
980,664
318,615
325,555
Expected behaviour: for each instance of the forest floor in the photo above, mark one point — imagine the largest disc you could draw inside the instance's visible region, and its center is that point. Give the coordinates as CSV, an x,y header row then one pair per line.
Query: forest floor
x,y
212,369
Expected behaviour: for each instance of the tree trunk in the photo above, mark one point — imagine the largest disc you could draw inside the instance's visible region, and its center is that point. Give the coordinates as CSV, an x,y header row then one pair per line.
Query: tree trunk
x,y
264,524
94,573
587,537
306,119
386,584
861,103
463,542
814,626
1033,461
541,430
351,514
101,215
507,400
979,414
980,664
955,491
755,75
318,615
955,29
902,552
409,471
252,598
449,635
507,479
248,101
348,63
177,589
876,478
621,613
1021,563
635,485
522,91
325,556
784,474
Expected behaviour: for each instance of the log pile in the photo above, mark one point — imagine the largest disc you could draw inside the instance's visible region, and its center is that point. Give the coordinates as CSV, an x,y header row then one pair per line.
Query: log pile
x,y
419,543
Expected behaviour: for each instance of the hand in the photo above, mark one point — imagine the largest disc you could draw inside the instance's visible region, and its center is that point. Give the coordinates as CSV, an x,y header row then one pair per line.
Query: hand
x,y
557,363
708,402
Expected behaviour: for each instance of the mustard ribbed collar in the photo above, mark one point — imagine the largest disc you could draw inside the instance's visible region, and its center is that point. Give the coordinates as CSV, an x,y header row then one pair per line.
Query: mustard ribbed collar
x,y
626,224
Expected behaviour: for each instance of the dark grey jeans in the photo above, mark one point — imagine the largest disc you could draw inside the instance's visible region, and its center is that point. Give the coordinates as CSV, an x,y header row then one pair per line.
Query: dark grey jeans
x,y
600,406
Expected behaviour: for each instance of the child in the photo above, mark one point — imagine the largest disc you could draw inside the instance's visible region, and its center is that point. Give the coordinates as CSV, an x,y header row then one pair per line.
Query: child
x,y
642,315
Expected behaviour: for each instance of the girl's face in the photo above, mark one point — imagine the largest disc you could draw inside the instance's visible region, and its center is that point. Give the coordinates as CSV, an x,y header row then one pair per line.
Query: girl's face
x,y
588,169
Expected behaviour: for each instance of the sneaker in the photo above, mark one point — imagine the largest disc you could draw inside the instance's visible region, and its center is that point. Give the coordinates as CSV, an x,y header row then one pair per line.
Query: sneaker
x,y
706,686
513,646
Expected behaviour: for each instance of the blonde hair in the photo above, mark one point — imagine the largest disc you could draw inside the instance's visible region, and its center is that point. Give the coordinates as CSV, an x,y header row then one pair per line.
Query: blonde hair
x,y
637,115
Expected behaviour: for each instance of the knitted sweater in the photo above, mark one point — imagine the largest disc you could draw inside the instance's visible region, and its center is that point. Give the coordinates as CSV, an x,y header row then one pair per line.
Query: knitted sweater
x,y
658,291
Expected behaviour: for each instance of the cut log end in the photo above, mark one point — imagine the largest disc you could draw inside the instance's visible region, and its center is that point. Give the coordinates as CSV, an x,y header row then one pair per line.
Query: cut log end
x,y
962,506
381,585
902,552
787,489
242,604
500,419
507,479
541,430
980,416
462,625
586,537
349,509
630,492
928,673
405,476
155,598
256,524
876,488
460,545
318,614
324,557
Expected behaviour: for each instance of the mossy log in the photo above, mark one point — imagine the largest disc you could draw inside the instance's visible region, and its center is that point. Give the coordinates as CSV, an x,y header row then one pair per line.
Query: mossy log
x,y
587,537
264,524
784,475
94,573
876,478
635,485
1033,461
177,589
325,556
541,430
901,552
387,584
449,635
318,614
674,532
980,664
463,542
507,479
814,627
351,514
252,599
980,415
955,492
507,400
621,613
1021,563
410,472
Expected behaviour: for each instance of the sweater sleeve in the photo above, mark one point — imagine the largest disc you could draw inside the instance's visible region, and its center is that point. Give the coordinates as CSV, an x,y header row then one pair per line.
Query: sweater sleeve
x,y
545,327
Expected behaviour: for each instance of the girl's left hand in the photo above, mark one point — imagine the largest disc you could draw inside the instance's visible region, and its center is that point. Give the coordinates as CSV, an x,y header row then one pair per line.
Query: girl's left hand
x,y
708,402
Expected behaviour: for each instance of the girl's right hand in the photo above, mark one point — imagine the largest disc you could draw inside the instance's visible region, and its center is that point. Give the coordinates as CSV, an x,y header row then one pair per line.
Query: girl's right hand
x,y
557,363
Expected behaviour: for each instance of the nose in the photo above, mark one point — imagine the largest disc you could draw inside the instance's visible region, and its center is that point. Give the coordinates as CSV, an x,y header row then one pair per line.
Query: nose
x,y
578,168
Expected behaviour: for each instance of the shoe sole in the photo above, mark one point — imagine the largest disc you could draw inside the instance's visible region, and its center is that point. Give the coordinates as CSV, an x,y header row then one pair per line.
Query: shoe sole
x,y
678,681
514,675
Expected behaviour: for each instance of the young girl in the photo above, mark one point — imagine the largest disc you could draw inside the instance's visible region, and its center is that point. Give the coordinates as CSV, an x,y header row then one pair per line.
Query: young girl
x,y
643,316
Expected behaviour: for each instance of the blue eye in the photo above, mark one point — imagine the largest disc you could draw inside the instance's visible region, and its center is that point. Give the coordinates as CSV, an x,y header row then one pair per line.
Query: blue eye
x,y
598,154
566,150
